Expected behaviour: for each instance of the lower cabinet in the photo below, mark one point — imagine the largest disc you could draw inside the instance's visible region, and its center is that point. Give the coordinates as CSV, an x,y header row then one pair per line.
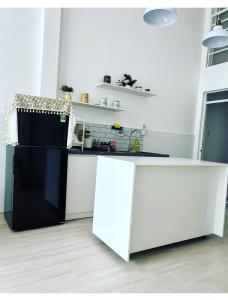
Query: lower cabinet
x,y
81,180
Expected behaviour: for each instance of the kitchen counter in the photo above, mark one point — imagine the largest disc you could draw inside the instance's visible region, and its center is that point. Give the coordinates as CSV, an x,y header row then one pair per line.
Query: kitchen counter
x,y
143,202
117,153
81,178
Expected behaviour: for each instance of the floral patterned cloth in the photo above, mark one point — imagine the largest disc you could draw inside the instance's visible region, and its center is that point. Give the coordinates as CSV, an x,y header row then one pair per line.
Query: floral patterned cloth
x,y
34,104
42,104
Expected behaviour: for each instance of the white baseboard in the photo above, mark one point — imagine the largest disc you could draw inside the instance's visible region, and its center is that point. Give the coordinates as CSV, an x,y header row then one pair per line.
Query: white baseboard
x,y
81,215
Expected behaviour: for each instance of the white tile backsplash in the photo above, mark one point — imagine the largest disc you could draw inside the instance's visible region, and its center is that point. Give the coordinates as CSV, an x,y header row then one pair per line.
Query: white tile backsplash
x,y
104,133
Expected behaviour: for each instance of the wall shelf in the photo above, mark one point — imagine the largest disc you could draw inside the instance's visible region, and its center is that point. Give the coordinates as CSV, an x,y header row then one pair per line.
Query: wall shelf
x,y
111,86
90,105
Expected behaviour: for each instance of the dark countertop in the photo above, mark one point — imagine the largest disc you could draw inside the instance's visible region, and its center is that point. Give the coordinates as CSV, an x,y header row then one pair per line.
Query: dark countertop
x,y
117,153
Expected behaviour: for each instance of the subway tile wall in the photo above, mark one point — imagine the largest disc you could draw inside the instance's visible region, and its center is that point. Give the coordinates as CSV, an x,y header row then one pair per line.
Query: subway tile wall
x,y
104,133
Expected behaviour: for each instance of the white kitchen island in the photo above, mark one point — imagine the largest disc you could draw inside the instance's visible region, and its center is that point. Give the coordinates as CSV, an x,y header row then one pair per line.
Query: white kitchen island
x,y
142,202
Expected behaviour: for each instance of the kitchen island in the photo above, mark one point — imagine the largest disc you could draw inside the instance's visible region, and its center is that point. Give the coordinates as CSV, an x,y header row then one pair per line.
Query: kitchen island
x,y
144,202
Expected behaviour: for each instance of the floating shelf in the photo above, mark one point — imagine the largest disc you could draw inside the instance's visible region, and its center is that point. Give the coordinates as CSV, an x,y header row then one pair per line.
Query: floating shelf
x,y
111,86
90,105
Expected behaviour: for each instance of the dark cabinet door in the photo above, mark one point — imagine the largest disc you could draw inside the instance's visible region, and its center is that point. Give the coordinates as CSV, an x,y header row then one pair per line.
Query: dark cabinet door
x,y
42,129
39,194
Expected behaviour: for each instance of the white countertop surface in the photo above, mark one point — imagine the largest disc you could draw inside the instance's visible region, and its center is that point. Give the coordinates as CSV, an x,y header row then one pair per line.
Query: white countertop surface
x,y
165,161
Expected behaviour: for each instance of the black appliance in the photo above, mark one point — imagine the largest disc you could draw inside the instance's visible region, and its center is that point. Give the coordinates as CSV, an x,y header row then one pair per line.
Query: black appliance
x,y
36,172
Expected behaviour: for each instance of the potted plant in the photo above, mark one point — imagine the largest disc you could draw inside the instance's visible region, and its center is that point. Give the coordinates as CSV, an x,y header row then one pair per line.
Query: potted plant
x,y
67,92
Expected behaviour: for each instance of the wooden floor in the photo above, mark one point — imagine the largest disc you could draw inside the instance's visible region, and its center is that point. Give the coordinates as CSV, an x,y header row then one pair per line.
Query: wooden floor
x,y
68,258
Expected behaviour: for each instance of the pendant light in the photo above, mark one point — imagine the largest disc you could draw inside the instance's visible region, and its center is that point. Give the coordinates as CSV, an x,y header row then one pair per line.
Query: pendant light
x,y
160,17
217,37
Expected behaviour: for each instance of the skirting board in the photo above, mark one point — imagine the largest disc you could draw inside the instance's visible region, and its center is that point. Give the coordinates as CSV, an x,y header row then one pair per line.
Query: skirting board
x,y
81,215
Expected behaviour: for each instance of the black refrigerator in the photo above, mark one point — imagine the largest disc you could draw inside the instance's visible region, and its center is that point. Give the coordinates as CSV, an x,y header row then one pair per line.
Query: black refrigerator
x,y
36,172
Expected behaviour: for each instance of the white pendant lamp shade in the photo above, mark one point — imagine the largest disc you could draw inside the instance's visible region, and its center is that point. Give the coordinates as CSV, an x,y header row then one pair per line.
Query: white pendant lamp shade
x,y
216,38
160,17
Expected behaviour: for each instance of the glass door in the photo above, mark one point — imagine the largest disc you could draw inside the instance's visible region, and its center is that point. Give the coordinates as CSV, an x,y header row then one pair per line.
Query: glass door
x,y
215,139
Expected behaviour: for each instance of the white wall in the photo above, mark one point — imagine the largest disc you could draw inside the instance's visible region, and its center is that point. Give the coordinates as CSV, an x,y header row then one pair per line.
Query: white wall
x,y
20,56
50,52
95,42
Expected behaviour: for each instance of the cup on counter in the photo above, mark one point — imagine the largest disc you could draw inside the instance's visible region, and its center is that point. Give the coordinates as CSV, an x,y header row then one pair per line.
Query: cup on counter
x,y
107,78
103,101
116,104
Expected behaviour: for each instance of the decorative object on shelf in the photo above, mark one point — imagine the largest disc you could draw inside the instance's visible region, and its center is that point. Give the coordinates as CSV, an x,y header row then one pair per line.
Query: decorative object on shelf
x,y
217,37
138,88
119,82
34,104
103,102
127,81
160,17
116,104
123,89
67,92
85,98
107,78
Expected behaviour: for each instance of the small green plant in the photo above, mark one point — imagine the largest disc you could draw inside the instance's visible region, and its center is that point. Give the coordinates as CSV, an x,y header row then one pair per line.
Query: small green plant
x,y
66,88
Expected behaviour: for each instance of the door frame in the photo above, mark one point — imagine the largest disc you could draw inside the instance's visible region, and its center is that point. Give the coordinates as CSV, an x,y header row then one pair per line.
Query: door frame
x,y
202,123
203,118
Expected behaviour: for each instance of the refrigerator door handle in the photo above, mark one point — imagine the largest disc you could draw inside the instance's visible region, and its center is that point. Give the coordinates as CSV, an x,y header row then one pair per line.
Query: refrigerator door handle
x,y
13,163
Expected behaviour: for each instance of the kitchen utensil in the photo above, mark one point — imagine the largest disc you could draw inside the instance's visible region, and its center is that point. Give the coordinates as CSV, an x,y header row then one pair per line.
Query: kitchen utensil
x,y
88,140
112,145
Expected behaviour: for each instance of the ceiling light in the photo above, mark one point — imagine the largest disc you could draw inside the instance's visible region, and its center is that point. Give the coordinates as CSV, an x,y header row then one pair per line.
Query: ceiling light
x,y
217,37
160,17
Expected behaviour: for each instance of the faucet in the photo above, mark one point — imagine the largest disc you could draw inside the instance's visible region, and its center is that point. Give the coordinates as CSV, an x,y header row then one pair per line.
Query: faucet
x,y
132,131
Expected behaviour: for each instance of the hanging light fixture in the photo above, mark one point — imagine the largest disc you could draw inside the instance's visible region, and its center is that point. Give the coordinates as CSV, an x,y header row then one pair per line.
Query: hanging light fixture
x,y
217,37
160,17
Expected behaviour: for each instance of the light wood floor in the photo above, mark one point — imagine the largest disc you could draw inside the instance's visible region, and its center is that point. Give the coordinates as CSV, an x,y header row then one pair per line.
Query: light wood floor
x,y
68,258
